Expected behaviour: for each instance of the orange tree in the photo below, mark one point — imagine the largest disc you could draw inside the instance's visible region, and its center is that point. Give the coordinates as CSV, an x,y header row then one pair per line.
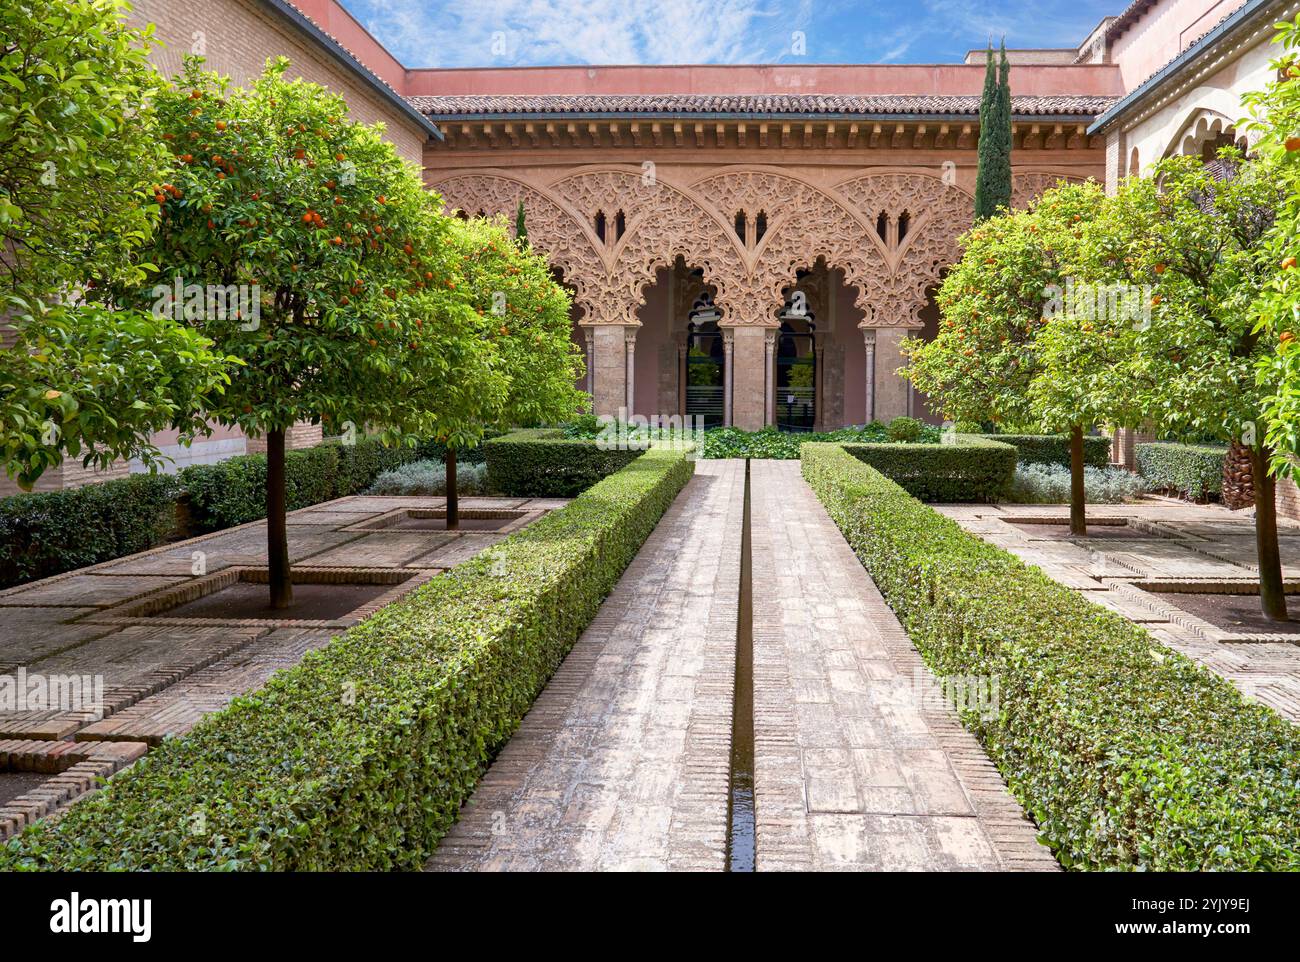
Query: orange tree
x,y
524,315
994,303
332,256
79,152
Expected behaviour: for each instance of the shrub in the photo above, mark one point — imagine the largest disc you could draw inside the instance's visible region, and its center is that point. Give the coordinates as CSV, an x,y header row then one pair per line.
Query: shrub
x,y
905,429
296,777
1127,755
430,478
542,463
51,532
969,469
1192,470
1050,484
1055,448
784,445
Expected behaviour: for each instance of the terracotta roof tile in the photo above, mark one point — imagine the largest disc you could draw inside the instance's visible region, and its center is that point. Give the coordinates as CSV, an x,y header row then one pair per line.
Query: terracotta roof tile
x,y
449,107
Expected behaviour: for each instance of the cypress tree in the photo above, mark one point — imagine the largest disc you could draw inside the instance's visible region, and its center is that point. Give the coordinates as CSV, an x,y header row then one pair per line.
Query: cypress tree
x,y
993,177
521,229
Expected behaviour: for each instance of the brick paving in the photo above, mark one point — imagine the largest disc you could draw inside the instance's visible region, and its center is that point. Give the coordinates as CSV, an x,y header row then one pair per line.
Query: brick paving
x,y
624,760
158,677
1170,542
856,768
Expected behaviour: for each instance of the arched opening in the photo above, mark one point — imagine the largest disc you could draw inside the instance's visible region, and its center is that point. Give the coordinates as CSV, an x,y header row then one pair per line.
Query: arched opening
x,y
795,400
1134,168
680,356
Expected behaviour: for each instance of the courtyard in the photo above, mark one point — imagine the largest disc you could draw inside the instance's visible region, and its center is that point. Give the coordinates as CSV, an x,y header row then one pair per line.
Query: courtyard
x,y
423,459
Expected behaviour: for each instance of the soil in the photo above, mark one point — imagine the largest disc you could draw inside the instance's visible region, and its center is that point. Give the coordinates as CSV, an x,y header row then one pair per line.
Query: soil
x,y
440,524
311,602
1233,612
1061,532
13,784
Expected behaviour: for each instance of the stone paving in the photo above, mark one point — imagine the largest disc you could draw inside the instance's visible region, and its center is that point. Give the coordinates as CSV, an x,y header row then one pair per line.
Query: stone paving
x,y
858,766
624,760
159,675
1164,544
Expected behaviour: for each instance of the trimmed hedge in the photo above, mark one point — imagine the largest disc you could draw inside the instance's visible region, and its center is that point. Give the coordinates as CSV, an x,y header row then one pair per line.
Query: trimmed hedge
x,y
47,533
971,469
543,463
1127,755
297,776
1193,470
1055,448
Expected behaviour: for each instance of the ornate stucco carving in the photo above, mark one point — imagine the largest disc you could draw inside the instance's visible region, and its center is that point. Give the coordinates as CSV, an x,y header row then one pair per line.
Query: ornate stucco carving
x,y
1028,184
891,231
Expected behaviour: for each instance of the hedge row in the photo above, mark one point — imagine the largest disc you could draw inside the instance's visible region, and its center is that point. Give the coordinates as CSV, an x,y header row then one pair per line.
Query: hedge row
x,y
1055,448
299,777
51,532
542,462
1192,470
1127,755
48,533
970,469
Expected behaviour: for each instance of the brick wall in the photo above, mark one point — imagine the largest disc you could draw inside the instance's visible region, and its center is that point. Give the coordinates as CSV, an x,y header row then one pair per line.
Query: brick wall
x,y
237,37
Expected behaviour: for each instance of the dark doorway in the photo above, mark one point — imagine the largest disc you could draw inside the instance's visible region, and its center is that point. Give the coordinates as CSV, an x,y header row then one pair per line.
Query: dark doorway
x,y
705,363
796,376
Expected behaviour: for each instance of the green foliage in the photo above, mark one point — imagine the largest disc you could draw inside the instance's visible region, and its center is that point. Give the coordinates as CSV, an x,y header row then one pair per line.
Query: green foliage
x,y
233,491
521,226
297,777
51,532
993,172
963,469
1055,448
980,365
1275,120
905,429
430,478
542,463
1050,484
79,149
1192,470
1125,754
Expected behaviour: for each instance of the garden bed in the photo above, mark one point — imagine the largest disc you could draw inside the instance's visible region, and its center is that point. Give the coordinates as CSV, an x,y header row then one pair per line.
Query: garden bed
x,y
1126,754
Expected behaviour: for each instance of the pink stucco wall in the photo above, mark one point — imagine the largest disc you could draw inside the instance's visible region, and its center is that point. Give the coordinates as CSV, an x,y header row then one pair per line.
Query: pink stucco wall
x,y
870,79
1163,32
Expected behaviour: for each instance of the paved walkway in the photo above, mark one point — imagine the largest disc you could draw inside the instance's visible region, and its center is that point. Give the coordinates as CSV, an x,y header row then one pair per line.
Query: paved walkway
x,y
623,763
1147,561
858,765
624,760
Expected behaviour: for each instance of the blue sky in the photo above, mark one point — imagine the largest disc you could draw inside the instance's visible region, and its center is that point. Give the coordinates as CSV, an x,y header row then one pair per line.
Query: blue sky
x,y
480,33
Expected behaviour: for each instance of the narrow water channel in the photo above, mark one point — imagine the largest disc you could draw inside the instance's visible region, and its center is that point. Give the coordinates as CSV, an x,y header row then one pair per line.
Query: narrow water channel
x,y
740,810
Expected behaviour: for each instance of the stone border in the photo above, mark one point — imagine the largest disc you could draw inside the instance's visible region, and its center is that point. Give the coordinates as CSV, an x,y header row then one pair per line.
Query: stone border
x,y
142,609
1141,591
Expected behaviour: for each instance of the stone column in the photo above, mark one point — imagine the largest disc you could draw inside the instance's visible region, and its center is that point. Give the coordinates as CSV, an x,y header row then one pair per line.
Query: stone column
x,y
629,341
591,356
749,377
891,391
869,373
769,370
819,387
609,368
728,365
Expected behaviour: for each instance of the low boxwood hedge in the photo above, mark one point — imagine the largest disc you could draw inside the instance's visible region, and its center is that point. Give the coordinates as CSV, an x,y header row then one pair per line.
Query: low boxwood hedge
x,y
360,757
543,463
48,533
970,468
1126,754
1194,471
1055,448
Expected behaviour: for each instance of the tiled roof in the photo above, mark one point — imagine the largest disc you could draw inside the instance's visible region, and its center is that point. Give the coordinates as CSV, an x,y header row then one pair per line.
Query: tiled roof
x,y
651,105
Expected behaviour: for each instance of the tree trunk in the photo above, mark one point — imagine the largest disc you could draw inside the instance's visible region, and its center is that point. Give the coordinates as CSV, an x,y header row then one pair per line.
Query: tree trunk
x,y
277,536
1272,598
453,496
1078,522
